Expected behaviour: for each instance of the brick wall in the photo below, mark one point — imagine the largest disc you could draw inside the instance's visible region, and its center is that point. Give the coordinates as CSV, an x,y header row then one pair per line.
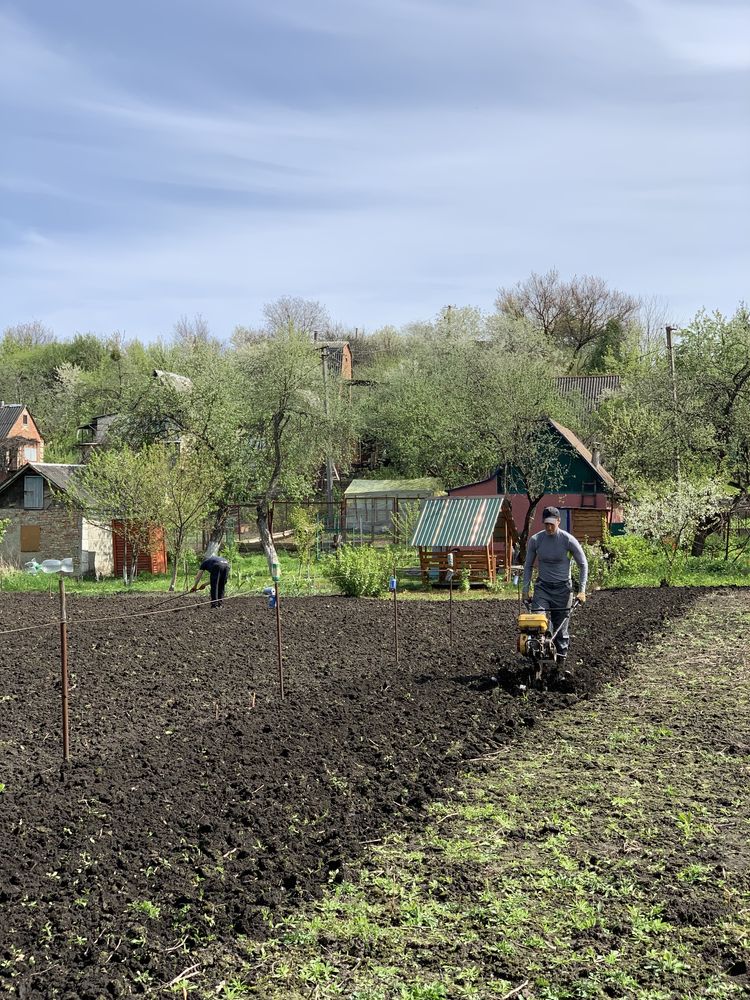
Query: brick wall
x,y
59,531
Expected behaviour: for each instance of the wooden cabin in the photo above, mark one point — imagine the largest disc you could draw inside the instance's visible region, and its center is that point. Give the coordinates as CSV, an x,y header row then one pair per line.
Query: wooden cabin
x,y
478,531
587,495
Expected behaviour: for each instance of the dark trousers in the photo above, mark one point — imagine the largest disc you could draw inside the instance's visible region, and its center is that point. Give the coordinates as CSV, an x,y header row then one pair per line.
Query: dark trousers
x,y
555,598
219,577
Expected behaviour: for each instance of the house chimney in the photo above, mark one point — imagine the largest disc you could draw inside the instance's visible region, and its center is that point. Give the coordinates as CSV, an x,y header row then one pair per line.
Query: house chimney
x,y
315,336
596,455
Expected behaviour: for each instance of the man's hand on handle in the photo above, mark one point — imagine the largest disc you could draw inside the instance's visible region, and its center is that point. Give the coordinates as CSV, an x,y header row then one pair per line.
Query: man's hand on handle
x,y
581,596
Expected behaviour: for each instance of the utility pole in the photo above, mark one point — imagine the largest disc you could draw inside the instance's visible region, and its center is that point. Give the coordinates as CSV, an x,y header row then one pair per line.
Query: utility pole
x,y
329,463
673,377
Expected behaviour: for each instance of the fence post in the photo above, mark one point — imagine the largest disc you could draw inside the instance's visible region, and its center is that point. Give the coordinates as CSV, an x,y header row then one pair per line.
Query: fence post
x,y
392,585
64,670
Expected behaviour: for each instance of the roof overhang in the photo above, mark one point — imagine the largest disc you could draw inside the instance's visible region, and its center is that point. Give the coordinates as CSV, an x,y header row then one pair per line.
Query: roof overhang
x,y
459,522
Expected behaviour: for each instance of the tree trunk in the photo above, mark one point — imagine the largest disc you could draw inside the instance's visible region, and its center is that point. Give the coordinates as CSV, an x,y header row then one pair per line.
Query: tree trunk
x,y
278,424
175,562
523,537
706,527
264,531
218,529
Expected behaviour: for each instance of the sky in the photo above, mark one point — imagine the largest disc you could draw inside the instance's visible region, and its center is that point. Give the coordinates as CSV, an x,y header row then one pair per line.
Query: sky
x,y
386,158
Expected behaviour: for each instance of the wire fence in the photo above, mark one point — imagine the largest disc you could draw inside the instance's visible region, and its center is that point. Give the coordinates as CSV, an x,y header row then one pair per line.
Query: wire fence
x,y
72,622
348,521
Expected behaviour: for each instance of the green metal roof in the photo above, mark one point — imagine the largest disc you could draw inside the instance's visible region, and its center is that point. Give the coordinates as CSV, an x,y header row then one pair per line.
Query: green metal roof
x,y
393,488
457,521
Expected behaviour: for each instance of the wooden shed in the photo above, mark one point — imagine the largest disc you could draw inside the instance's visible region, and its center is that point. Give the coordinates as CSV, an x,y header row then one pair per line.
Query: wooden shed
x,y
479,531
152,557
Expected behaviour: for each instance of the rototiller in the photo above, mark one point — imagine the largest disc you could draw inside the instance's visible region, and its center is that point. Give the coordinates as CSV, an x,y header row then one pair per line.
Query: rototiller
x,y
536,641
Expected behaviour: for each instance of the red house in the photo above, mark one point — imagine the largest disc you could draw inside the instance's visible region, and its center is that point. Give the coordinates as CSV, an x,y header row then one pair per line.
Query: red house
x,y
587,499
20,440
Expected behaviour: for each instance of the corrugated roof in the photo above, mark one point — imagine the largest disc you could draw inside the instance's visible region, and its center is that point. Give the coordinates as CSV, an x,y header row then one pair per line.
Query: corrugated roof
x,y
457,521
393,488
580,447
58,475
9,413
592,388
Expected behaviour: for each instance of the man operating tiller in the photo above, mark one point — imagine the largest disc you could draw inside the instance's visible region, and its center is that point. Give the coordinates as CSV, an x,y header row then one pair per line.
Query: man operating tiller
x,y
553,591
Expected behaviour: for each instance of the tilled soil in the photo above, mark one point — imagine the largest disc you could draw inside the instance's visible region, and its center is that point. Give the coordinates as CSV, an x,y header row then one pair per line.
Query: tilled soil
x,y
198,807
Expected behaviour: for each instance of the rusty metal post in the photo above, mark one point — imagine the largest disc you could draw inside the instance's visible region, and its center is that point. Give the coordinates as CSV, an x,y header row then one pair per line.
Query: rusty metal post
x,y
392,584
64,670
276,576
450,598
278,638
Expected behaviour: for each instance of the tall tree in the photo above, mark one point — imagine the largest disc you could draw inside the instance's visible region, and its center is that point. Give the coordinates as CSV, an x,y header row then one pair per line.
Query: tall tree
x,y
713,365
579,314
293,314
123,490
257,416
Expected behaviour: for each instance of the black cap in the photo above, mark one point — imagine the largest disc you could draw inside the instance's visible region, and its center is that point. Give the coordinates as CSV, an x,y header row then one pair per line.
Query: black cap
x,y
550,514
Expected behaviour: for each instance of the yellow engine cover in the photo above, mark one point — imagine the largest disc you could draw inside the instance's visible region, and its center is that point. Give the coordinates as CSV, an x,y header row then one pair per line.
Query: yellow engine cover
x,y
532,621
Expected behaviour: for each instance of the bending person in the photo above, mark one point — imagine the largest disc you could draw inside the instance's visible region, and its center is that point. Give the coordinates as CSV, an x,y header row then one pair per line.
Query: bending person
x,y
553,591
218,571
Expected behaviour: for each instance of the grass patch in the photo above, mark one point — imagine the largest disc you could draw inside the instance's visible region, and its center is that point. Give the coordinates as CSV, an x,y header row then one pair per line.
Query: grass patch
x,y
604,854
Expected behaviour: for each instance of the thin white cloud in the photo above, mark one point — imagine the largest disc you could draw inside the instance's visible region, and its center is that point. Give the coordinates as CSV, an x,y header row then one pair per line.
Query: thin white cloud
x,y
139,206
31,71
712,36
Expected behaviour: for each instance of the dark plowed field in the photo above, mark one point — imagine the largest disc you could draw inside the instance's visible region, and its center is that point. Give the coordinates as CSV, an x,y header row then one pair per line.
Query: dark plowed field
x,y
198,807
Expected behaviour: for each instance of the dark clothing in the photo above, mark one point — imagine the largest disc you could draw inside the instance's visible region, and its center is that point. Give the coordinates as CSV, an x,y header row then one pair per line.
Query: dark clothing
x,y
555,598
218,569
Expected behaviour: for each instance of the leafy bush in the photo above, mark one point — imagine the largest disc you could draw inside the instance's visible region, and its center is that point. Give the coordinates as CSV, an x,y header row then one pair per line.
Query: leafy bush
x,y
632,555
306,530
669,515
358,571
600,564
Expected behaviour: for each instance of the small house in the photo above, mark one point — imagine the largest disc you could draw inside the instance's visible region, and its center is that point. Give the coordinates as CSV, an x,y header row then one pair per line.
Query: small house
x,y
478,531
587,497
370,506
20,439
337,356
93,435
42,526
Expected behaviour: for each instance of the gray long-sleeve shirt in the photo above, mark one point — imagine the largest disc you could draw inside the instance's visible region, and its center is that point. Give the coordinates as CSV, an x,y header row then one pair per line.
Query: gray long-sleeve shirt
x,y
552,553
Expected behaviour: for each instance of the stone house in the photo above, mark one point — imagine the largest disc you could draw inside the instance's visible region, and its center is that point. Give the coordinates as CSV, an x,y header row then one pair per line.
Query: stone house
x,y
20,440
42,526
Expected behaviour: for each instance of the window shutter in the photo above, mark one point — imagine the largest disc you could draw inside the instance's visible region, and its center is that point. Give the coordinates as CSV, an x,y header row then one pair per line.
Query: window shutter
x,y
33,492
31,538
